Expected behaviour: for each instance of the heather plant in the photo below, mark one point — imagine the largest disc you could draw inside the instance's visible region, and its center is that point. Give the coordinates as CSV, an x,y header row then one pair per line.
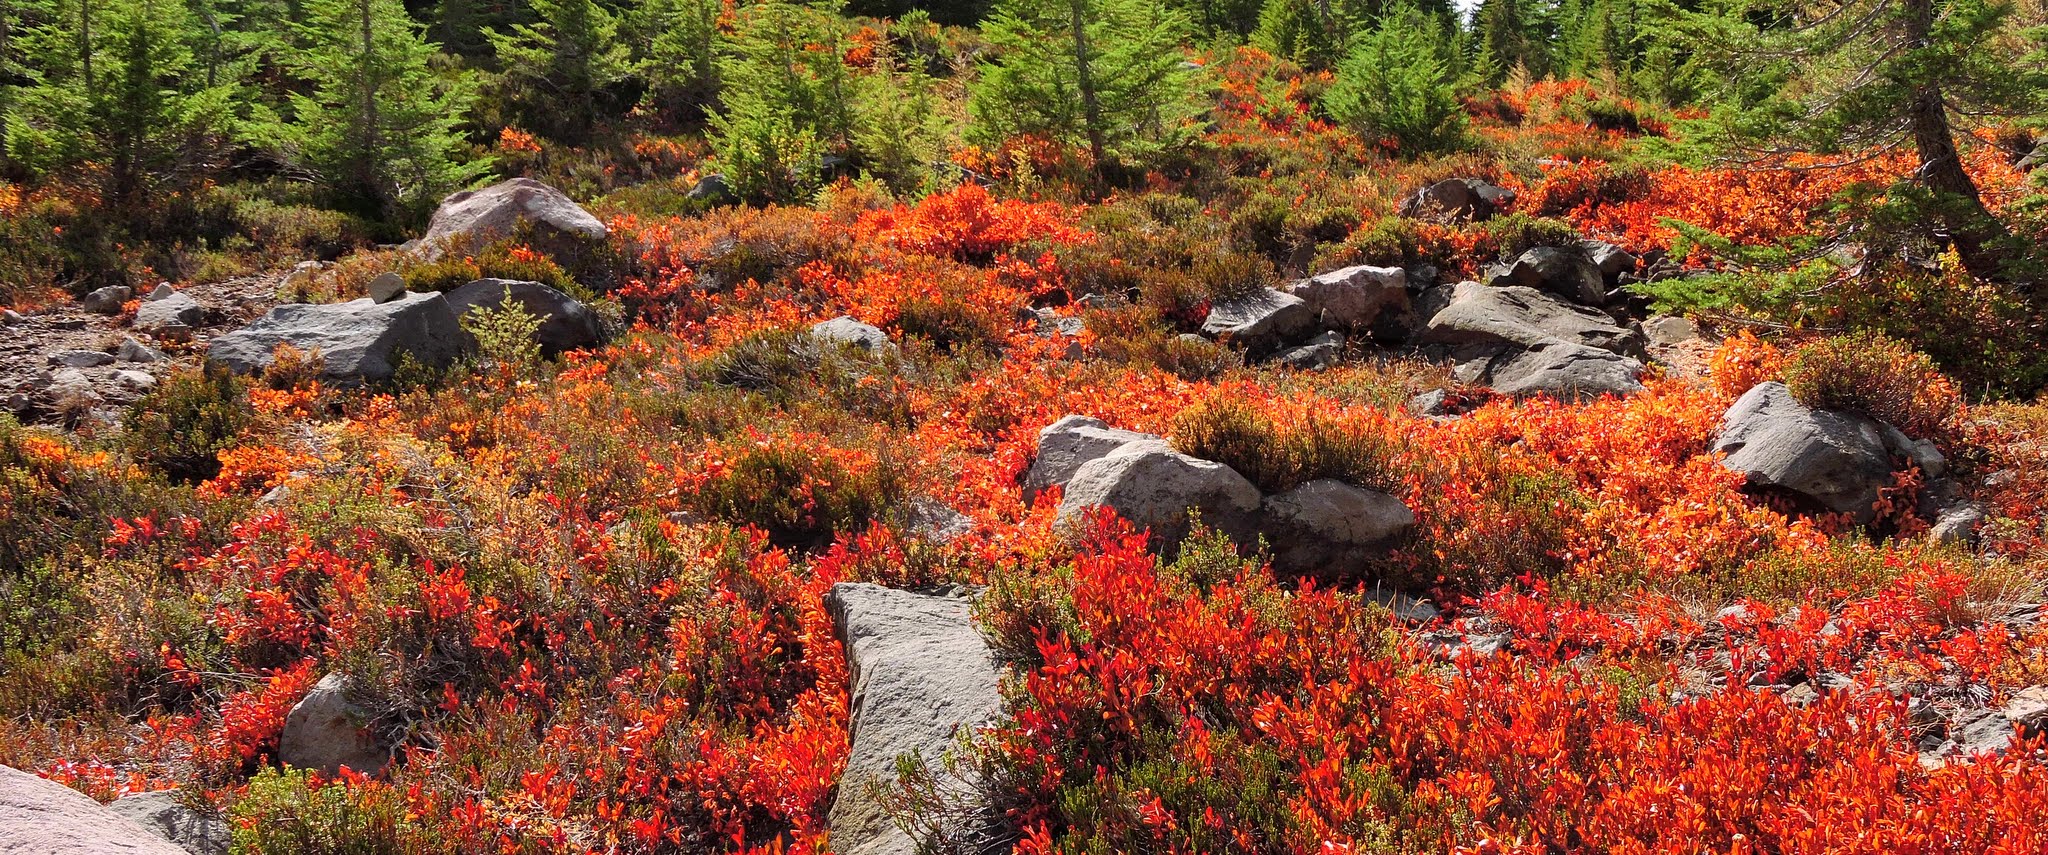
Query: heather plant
x,y
1875,375
180,428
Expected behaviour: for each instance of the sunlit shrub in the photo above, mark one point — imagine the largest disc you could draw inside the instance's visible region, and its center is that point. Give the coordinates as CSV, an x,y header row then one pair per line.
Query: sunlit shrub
x,y
181,427
1879,376
1279,455
289,812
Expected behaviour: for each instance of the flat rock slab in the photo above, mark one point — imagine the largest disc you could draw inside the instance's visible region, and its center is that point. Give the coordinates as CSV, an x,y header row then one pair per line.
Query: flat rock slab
x,y
922,677
360,340
43,817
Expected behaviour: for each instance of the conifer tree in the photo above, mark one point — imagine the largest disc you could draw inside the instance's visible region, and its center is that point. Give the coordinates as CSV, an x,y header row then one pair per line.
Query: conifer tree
x,y
676,48
786,102
119,88
1512,34
379,128
1397,85
558,70
899,132
1865,74
1107,74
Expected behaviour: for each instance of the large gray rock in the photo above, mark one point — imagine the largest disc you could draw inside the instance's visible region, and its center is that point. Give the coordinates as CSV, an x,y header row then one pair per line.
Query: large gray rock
x,y
197,832
1065,445
1835,460
1611,260
360,340
1354,297
1154,487
1458,199
1329,529
107,300
43,817
844,330
1558,369
165,309
1568,273
1525,317
467,221
326,731
923,677
1261,321
566,323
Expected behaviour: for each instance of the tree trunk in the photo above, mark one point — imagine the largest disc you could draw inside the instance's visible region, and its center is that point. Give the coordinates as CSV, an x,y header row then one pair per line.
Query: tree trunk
x,y
1979,237
1091,108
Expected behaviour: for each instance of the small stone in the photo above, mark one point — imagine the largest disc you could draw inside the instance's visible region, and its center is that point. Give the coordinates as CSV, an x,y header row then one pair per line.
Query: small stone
x,y
167,309
10,317
135,381
135,351
387,287
2029,709
106,301
163,290
1666,330
845,330
1957,526
16,403
1406,608
1430,403
81,358
325,731
1308,357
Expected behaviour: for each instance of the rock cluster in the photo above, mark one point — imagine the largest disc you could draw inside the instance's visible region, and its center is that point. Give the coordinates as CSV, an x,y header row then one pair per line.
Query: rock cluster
x,y
1324,528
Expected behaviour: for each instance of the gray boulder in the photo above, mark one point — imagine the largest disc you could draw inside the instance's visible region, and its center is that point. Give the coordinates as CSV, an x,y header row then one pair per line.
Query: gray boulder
x,y
844,330
386,287
1458,199
1568,273
81,358
469,220
1475,314
1354,297
135,381
922,678
714,189
1154,487
326,731
165,308
1611,260
107,300
1957,526
1558,369
361,340
43,817
566,323
197,832
1329,529
1667,330
1065,445
135,351
1309,357
1835,460
1261,321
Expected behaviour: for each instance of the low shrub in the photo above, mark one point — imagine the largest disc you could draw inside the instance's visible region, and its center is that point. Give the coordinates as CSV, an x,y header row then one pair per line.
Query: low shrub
x,y
1876,375
1282,453
288,811
798,489
180,428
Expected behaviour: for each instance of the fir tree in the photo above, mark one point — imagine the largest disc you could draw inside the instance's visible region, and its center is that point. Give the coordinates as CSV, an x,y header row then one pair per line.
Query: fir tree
x,y
559,69
1397,85
1883,73
676,48
378,129
899,132
1108,74
786,101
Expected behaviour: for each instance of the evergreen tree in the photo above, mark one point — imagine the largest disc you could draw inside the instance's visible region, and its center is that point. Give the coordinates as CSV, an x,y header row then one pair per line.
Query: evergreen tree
x,y
786,101
1397,85
1881,73
1512,34
1108,74
119,88
899,132
1227,19
558,71
378,129
676,48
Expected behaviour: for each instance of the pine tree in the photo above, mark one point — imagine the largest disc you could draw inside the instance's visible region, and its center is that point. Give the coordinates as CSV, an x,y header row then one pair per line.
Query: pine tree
x,y
1397,85
1108,74
558,70
899,132
378,129
1882,73
118,88
676,48
786,101
1512,34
